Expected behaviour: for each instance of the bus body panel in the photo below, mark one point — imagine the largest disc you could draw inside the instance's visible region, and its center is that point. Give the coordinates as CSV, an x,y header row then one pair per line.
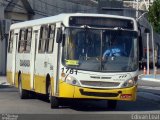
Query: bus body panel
x,y
34,46
26,81
66,90
34,75
39,82
16,79
70,91
95,93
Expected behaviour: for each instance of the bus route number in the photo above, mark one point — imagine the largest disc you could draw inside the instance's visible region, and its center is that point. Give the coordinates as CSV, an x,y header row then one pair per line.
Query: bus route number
x,y
69,70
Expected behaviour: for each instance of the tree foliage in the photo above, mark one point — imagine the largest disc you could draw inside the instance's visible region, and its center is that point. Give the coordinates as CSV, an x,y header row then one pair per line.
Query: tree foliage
x,y
154,15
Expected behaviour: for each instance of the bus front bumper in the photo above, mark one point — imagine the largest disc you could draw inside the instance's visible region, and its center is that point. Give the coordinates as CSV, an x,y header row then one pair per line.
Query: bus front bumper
x,y
70,91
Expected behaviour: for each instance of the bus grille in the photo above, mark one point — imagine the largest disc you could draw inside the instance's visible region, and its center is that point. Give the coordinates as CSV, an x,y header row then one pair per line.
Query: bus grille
x,y
98,94
100,83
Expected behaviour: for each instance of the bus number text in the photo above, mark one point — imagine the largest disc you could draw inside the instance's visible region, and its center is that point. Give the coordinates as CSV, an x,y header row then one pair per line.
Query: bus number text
x,y
69,70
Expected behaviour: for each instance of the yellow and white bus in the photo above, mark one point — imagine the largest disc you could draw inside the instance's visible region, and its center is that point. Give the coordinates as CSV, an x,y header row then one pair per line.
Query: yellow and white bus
x,y
63,57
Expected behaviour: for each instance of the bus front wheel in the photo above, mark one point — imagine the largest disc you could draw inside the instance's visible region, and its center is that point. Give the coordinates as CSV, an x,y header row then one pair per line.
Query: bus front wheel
x,y
54,102
112,104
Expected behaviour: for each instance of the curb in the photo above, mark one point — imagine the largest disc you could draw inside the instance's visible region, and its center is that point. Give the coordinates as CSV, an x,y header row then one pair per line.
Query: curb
x,y
3,80
4,83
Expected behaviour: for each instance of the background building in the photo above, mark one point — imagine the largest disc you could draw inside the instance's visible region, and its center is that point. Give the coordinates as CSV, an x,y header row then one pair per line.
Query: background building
x,y
12,11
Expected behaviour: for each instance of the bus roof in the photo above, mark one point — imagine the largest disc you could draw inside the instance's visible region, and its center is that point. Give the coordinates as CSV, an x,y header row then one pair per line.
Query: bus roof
x,y
60,17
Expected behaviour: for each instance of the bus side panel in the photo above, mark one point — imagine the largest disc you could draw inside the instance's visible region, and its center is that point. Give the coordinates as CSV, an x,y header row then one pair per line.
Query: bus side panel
x,y
66,90
9,68
40,83
16,79
52,85
43,67
26,81
49,59
11,60
39,74
23,65
33,54
9,77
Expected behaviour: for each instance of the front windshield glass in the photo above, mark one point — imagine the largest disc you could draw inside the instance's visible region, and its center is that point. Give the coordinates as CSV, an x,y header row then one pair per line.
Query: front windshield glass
x,y
100,50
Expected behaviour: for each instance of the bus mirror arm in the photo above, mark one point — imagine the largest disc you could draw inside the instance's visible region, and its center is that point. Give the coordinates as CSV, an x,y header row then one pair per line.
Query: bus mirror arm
x,y
140,38
59,35
63,39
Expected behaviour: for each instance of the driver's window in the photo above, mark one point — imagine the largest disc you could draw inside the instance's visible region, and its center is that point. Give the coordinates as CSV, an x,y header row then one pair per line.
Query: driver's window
x,y
80,42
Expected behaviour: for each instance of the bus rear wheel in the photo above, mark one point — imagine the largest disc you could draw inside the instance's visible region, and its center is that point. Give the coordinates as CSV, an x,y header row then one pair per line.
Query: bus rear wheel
x,y
22,93
112,104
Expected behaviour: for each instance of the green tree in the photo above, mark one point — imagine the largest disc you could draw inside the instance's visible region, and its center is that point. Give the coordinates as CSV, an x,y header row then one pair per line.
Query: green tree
x,y
154,15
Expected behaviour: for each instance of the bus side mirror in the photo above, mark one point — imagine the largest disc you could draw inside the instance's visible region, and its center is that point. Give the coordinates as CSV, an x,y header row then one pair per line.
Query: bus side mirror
x,y
59,35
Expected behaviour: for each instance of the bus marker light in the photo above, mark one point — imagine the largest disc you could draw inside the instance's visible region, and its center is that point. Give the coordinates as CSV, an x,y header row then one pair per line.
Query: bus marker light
x,y
125,96
63,74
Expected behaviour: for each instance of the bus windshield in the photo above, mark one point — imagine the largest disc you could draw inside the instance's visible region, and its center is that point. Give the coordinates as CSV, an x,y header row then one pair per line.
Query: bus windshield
x,y
100,50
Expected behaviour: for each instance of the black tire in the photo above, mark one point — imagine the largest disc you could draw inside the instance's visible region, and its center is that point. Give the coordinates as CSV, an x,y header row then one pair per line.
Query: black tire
x,y
54,102
24,94
48,93
48,88
112,104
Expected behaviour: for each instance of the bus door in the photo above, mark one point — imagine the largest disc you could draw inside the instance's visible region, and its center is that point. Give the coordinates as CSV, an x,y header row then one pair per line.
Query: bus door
x,y
33,56
49,56
57,62
13,59
40,60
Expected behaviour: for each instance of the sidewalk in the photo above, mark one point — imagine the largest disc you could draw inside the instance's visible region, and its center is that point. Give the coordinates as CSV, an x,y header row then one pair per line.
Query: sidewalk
x,y
149,80
3,80
149,87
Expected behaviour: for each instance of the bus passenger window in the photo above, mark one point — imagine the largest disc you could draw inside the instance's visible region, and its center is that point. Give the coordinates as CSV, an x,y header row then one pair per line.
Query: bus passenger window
x,y
50,41
10,44
43,39
21,41
28,38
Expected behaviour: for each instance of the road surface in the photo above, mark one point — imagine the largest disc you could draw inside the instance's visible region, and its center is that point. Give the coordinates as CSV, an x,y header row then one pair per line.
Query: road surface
x,y
10,103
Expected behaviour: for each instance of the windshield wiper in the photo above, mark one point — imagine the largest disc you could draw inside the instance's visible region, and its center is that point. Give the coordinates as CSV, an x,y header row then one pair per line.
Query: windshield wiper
x,y
118,28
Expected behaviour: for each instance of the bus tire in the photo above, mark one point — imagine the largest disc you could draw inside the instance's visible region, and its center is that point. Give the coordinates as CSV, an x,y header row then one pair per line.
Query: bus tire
x,y
112,104
49,93
54,102
48,88
24,94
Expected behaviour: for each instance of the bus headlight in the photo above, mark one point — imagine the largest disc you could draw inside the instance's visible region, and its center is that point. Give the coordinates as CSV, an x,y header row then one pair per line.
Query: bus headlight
x,y
71,80
129,83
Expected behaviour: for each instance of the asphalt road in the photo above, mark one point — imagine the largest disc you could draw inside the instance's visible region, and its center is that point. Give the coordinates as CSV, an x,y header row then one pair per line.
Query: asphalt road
x,y
11,103
38,108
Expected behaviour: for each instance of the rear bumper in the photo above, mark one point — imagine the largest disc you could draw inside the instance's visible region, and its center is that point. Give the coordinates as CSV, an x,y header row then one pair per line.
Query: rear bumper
x,y
69,91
